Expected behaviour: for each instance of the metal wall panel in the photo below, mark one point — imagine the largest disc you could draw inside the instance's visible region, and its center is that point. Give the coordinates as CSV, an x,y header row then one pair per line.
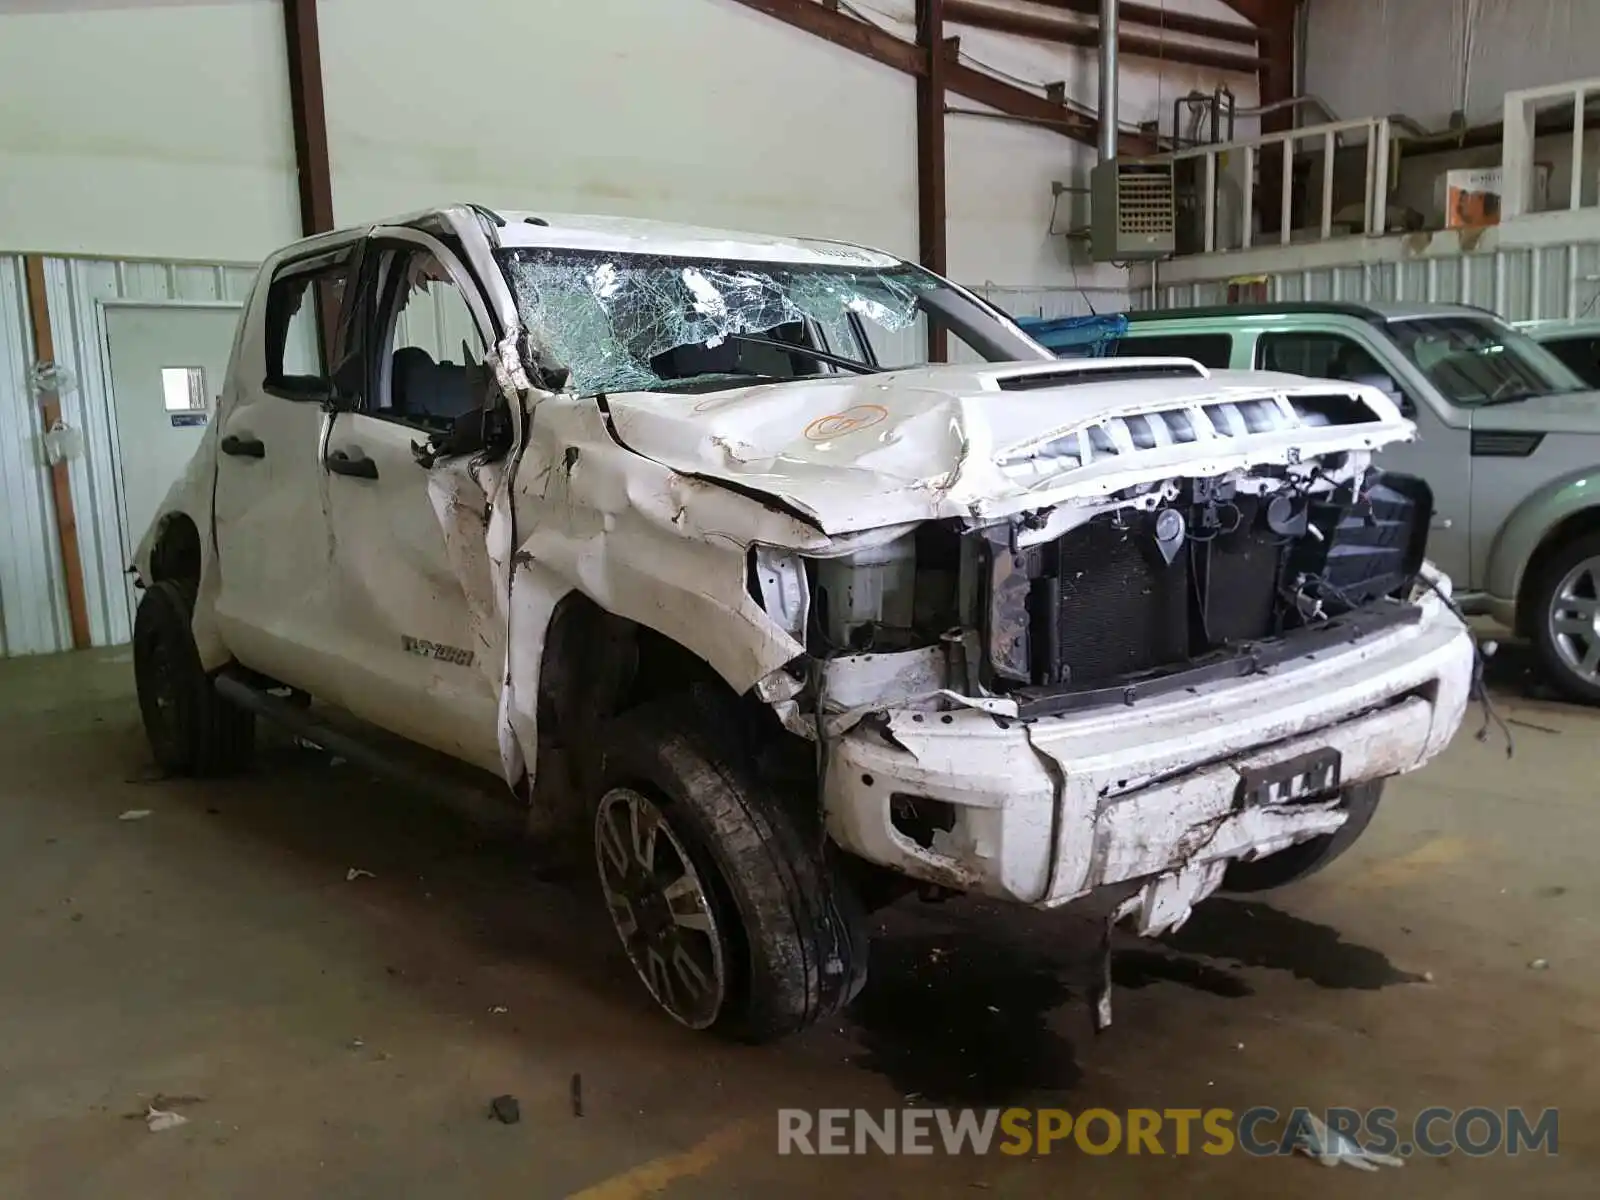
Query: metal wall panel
x,y
1522,283
1055,301
76,289
33,596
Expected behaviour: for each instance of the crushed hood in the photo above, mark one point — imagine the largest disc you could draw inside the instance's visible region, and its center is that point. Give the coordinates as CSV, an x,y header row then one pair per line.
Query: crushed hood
x,y
862,452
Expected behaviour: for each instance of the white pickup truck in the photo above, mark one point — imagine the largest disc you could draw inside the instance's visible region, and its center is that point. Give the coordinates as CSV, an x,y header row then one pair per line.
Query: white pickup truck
x,y
678,533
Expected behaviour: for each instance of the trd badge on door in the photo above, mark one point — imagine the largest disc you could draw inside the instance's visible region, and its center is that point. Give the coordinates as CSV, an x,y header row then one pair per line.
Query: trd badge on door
x,y
437,650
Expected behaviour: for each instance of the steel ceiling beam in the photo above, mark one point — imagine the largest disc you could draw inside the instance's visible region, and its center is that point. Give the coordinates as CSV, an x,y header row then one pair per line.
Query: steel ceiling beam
x,y
932,223
1158,18
49,410
1050,29
832,25
308,115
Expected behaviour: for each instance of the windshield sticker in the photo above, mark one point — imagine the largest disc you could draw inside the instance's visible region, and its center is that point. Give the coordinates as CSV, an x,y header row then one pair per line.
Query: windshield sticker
x,y
851,420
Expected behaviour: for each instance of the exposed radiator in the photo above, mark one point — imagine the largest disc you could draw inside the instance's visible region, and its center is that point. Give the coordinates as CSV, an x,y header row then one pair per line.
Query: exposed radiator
x,y
1120,611
1102,603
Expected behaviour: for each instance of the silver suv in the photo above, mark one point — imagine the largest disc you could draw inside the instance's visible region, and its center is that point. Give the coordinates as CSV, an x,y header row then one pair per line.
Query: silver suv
x,y
1509,440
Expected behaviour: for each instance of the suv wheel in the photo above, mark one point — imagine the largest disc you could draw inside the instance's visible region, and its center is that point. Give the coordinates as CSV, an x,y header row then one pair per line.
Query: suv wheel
x,y
732,915
1310,856
192,729
1566,618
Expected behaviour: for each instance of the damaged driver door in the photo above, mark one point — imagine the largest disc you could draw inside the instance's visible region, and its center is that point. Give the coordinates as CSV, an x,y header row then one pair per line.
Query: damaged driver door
x,y
413,664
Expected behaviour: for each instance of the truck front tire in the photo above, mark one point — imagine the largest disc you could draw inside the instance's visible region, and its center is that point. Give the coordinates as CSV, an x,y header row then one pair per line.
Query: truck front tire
x,y
192,730
726,902
1307,858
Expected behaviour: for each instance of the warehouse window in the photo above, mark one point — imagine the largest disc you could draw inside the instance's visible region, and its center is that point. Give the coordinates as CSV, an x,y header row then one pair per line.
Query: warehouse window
x,y
183,389
183,395
302,306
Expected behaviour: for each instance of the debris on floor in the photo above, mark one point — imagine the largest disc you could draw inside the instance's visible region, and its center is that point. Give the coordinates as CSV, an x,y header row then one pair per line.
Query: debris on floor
x,y
135,814
160,1119
505,1109
1332,1149
1534,725
576,1092
355,873
1539,964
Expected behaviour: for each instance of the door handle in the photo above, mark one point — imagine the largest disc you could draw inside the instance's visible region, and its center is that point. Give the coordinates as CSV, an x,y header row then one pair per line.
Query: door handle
x,y
1439,522
358,464
244,446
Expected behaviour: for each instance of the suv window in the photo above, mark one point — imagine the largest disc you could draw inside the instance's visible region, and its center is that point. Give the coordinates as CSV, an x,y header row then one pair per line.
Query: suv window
x,y
303,306
1322,355
429,369
1476,360
1329,356
1213,350
1580,354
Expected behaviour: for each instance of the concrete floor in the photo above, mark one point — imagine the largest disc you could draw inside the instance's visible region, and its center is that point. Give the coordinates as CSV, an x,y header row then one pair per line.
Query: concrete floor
x,y
343,1037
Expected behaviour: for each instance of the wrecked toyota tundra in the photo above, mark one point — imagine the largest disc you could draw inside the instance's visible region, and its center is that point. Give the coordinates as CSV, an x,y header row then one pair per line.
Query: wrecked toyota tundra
x,y
680,534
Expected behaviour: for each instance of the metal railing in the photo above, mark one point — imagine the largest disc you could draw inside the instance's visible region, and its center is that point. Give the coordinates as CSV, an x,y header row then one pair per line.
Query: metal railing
x,y
1376,132
1517,154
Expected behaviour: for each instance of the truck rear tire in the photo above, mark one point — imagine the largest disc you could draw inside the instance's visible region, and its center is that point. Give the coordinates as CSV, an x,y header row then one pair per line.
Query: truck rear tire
x,y
732,913
1308,857
192,730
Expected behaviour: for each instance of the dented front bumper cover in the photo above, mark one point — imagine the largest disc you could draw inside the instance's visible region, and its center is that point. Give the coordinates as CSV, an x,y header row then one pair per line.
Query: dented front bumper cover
x,y
1146,796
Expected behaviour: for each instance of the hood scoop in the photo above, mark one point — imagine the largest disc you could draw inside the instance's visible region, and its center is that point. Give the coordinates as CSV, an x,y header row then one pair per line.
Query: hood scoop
x,y
1114,436
1103,371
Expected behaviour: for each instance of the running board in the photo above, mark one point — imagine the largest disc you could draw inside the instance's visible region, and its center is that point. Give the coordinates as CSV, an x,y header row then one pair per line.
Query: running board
x,y
406,765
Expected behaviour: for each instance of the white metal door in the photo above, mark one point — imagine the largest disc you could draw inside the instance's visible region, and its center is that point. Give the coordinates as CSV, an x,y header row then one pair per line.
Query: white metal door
x,y
411,664
167,366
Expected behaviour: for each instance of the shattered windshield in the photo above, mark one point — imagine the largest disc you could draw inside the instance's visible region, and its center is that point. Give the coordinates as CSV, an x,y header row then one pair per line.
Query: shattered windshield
x,y
631,322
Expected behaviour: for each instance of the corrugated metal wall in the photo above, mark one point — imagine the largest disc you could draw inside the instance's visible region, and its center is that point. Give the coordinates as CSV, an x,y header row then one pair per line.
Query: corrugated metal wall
x,y
75,289
1521,284
1055,301
33,603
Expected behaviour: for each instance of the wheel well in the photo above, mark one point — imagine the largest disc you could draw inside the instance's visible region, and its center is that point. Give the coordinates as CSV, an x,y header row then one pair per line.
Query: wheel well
x,y
596,666
176,554
1576,525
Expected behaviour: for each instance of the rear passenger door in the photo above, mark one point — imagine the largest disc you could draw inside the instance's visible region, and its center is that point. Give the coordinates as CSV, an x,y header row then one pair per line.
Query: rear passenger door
x,y
411,664
1440,455
269,506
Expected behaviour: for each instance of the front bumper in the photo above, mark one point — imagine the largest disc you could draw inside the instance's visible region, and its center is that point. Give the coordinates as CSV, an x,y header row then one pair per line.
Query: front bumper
x,y
1046,811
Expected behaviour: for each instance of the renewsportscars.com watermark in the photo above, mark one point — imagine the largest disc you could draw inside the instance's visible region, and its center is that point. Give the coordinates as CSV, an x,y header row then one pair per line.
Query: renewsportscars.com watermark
x,y
1259,1132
